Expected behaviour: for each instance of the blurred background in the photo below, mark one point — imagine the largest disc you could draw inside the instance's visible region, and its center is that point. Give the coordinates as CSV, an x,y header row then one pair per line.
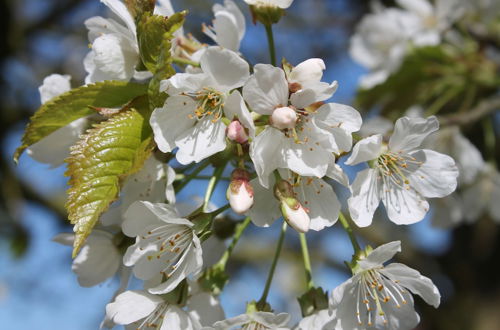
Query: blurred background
x,y
38,289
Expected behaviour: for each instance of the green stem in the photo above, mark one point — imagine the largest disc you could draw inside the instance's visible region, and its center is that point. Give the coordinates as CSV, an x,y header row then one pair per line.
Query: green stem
x,y
237,234
191,176
220,210
211,186
277,175
307,261
270,42
184,61
263,298
436,106
348,229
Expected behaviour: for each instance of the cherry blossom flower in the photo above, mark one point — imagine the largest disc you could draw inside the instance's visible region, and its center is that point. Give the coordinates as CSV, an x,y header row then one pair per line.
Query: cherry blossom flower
x,y
115,52
401,175
191,118
228,26
380,43
483,195
254,321
165,245
315,194
379,296
299,137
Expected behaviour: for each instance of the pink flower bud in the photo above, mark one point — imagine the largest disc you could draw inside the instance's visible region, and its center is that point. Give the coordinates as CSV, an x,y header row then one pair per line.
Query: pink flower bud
x,y
283,117
296,216
240,192
236,132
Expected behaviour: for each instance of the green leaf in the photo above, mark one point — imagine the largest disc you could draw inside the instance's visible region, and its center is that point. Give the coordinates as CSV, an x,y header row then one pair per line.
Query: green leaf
x,y
151,32
98,164
75,104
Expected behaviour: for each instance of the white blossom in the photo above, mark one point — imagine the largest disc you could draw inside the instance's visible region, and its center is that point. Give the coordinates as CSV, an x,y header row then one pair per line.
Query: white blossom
x,y
98,260
433,19
314,194
191,118
115,52
305,145
378,296
402,175
380,43
228,26
54,85
142,310
254,321
483,195
166,245
319,320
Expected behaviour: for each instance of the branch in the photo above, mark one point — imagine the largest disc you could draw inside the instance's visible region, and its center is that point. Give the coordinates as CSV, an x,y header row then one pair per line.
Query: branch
x,y
483,109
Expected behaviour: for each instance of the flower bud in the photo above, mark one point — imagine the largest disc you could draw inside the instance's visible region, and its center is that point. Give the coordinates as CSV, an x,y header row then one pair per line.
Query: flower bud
x,y
283,117
310,70
295,214
236,132
266,13
240,192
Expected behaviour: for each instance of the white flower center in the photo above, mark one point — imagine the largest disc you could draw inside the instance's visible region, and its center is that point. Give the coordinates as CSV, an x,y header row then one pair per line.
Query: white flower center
x,y
374,290
210,103
171,242
155,319
395,168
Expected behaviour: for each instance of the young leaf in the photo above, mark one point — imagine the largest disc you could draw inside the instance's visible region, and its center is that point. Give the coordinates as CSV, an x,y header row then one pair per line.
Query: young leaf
x,y
98,164
151,30
75,104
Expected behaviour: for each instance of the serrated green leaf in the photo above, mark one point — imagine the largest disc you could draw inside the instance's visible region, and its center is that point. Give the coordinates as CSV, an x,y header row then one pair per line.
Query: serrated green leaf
x,y
98,164
75,104
151,30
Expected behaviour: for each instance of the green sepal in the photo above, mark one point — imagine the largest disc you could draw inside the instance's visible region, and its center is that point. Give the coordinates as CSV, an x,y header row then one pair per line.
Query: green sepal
x,y
137,8
213,279
100,161
75,104
315,299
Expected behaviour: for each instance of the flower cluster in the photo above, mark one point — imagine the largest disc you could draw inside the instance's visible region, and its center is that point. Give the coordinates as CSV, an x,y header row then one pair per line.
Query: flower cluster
x,y
280,135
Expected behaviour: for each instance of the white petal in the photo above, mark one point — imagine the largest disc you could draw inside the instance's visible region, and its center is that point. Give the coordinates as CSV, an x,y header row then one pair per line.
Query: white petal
x,y
410,132
375,125
414,281
266,207
121,11
226,31
271,320
205,308
366,149
55,148
132,306
226,68
380,255
203,140
98,260
235,106
186,82
114,57
305,159
319,197
64,239
420,7
172,120
267,153
448,212
404,207
320,320
310,70
344,302
177,318
142,214
266,89
340,121
313,92
336,173
54,85
365,197
437,176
